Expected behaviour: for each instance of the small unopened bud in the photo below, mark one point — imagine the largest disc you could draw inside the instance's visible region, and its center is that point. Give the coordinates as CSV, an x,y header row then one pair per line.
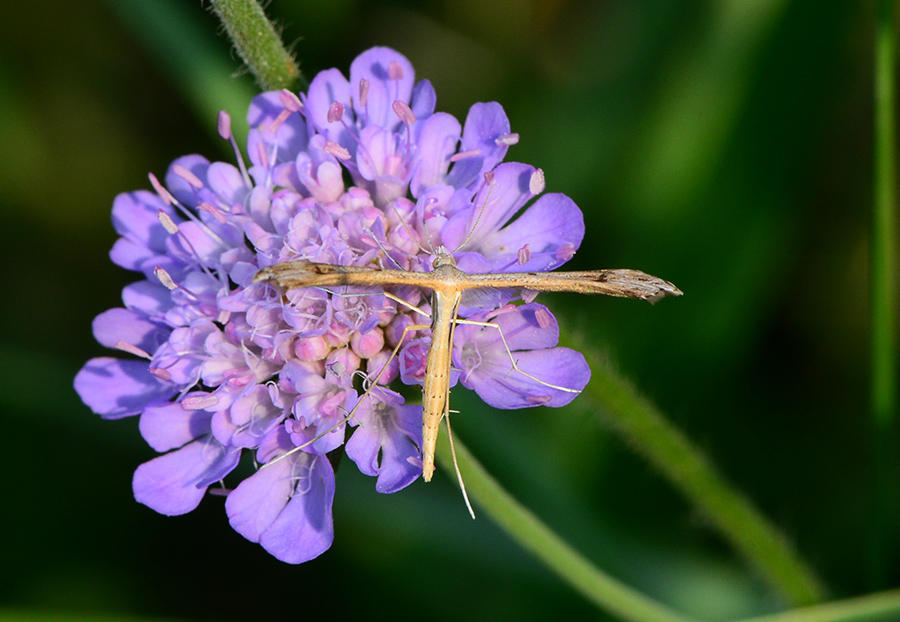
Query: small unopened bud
x,y
342,361
368,345
311,348
383,368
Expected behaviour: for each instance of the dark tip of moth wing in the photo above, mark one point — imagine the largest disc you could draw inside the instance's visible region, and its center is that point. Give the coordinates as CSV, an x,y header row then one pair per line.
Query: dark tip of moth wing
x,y
640,285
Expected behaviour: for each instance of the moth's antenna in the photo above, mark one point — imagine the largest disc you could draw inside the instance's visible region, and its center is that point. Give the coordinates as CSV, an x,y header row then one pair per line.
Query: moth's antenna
x,y
488,179
386,253
344,420
412,236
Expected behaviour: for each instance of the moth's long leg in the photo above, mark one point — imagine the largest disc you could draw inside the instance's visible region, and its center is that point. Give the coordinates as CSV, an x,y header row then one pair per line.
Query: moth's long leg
x,y
512,359
404,303
459,477
311,441
372,383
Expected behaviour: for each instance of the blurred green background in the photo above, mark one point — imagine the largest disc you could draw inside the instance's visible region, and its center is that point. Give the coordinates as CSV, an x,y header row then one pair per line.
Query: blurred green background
x,y
723,145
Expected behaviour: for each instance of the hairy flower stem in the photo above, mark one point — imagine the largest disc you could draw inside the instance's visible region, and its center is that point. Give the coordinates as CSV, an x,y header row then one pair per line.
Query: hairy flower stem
x,y
259,45
646,430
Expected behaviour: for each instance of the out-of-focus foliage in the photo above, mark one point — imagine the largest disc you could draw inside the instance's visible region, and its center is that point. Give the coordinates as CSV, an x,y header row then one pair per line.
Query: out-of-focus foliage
x,y
724,146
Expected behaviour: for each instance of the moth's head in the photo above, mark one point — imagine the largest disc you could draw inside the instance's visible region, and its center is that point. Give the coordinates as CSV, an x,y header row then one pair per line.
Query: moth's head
x,y
442,258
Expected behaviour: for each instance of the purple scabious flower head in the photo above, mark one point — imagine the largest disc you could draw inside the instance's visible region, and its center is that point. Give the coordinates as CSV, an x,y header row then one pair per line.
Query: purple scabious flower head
x,y
358,171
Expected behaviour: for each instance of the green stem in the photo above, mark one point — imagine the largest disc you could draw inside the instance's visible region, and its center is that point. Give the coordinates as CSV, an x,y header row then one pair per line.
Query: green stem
x,y
259,45
870,608
644,428
595,585
884,398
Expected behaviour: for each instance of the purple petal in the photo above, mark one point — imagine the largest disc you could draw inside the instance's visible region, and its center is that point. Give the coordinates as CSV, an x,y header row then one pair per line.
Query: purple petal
x,y
286,507
175,483
530,331
438,139
290,137
553,220
525,327
124,325
135,216
501,387
378,145
151,299
179,187
423,100
195,240
255,415
168,425
326,88
226,181
320,172
386,443
493,206
304,529
363,448
115,388
485,123
131,255
373,66
254,505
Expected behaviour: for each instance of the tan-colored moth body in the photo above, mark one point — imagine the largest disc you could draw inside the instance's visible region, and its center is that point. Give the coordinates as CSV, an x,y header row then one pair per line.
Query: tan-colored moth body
x,y
447,284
